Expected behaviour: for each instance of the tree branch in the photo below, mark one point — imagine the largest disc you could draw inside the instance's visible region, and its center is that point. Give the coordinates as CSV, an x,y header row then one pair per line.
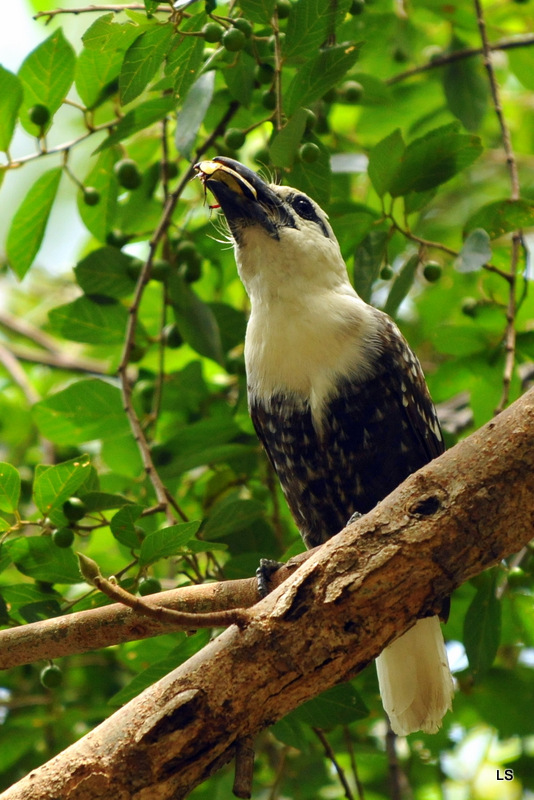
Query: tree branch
x,y
355,594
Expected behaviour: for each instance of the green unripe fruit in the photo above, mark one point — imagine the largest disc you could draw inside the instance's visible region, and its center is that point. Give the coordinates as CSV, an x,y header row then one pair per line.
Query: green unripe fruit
x,y
243,25
265,74
233,40
357,7
171,170
386,273
283,7
212,32
91,197
352,91
39,115
311,119
172,336
117,239
63,537
187,252
160,270
268,100
469,307
51,676
128,174
432,271
74,509
309,152
149,586
234,138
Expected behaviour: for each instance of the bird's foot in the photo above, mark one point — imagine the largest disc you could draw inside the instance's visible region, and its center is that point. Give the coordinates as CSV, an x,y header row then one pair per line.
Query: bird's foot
x,y
264,572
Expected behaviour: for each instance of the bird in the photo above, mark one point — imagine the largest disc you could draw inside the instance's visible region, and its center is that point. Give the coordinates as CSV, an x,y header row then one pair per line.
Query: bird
x,y
336,396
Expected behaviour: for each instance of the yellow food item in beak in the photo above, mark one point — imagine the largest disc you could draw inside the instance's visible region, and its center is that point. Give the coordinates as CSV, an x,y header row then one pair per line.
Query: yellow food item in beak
x,y
213,170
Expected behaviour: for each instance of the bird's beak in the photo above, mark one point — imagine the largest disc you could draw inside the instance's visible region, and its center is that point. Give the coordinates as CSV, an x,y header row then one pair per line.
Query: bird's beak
x,y
243,196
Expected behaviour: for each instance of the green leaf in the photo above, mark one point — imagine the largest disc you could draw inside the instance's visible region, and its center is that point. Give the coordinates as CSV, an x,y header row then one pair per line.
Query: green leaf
x,y
186,58
167,542
258,10
368,259
53,485
101,218
434,159
385,160
466,88
123,525
103,501
476,252
339,705
46,75
192,113
240,78
142,60
10,101
502,216
314,179
319,74
284,146
482,625
401,285
195,320
97,75
86,410
106,35
106,271
9,487
231,516
28,226
93,323
308,25
40,559
521,61
139,118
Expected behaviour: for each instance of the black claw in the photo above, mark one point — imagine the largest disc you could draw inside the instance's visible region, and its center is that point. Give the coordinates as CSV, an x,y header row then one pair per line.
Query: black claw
x,y
264,573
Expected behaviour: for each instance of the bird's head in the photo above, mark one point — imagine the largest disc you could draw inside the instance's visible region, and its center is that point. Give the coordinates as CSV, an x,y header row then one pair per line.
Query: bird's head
x,y
283,240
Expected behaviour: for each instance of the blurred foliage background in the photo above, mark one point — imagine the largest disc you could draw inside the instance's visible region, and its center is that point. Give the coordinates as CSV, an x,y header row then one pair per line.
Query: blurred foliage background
x,y
116,425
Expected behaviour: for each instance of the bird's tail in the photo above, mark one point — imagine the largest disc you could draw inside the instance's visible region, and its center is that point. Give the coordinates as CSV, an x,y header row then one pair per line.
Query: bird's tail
x,y
415,681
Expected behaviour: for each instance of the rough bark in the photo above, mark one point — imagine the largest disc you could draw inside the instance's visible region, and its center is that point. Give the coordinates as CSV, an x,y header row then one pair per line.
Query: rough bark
x,y
460,514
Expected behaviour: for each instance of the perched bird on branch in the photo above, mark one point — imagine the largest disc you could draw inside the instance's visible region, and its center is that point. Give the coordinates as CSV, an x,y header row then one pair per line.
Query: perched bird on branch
x,y
336,396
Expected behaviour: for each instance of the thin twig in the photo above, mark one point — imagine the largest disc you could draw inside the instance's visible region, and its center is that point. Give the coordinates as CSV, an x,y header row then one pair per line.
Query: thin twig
x,y
460,55
510,333
332,756
86,9
213,619
60,148
353,764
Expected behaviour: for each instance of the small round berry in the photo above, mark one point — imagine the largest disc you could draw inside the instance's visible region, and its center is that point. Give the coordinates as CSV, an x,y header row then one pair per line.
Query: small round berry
x,y
39,115
149,586
283,8
128,174
91,197
265,74
51,676
309,152
212,32
243,25
234,138
386,273
432,271
233,40
63,537
74,509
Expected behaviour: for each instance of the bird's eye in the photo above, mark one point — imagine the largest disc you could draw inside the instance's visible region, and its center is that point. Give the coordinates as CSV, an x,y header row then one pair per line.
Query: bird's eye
x,y
304,207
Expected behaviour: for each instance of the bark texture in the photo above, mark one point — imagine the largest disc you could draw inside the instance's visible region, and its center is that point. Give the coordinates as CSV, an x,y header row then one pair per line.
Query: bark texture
x,y
458,515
